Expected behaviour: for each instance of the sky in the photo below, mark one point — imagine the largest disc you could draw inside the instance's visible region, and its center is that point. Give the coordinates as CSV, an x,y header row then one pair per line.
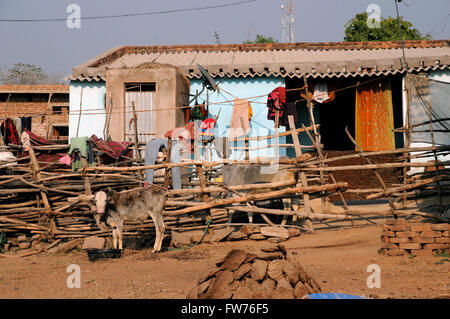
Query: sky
x,y
57,48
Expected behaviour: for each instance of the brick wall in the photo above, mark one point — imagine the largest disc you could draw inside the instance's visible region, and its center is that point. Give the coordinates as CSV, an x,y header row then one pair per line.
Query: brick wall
x,y
399,237
30,104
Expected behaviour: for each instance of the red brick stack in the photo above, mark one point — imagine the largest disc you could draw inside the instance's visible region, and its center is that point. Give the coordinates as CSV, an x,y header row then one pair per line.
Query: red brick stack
x,y
400,237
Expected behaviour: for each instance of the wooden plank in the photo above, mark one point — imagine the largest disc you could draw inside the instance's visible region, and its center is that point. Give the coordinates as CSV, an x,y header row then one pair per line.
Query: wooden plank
x,y
294,134
253,197
373,166
235,188
274,232
280,212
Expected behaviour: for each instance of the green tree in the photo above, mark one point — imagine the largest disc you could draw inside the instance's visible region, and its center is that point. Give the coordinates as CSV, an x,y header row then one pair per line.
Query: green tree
x,y
261,39
358,30
22,73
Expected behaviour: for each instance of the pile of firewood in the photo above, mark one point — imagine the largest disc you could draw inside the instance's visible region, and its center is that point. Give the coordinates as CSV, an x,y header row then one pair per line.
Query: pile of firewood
x,y
38,198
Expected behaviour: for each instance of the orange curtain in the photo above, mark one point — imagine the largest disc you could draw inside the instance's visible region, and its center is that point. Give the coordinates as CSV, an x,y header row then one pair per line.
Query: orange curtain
x,y
374,117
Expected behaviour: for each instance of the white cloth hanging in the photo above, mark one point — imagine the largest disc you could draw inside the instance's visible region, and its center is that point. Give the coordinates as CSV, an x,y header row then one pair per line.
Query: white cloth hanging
x,y
320,92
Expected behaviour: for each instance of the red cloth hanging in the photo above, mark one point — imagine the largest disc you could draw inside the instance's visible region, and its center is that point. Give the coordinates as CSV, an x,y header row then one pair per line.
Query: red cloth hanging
x,y
9,132
276,100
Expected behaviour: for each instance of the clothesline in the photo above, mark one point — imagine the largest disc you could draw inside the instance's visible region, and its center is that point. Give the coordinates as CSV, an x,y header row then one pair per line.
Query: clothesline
x,y
16,114
225,102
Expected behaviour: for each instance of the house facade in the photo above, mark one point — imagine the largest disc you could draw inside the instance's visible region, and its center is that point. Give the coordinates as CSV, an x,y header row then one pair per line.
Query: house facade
x,y
364,83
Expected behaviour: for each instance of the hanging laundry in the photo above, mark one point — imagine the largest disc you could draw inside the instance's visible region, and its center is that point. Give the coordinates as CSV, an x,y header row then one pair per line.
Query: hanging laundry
x,y
6,156
9,132
36,139
66,160
80,147
18,123
91,160
207,129
240,118
26,142
332,86
320,92
290,109
276,100
184,134
197,112
151,152
113,149
6,159
26,122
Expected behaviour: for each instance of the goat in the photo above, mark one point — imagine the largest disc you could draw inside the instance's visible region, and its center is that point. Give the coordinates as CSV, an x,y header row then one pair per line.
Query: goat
x,y
135,204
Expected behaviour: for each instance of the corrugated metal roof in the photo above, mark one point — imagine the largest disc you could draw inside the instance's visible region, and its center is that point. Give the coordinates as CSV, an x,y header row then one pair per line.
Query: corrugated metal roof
x,y
339,59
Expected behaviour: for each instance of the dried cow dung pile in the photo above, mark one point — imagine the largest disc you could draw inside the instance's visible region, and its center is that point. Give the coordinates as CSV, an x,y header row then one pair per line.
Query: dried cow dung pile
x,y
265,275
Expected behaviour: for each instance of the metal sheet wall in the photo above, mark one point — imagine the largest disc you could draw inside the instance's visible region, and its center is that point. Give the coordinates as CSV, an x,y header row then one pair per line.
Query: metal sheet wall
x,y
144,103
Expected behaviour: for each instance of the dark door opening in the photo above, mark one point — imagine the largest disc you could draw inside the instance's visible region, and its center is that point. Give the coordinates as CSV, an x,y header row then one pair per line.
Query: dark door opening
x,y
339,113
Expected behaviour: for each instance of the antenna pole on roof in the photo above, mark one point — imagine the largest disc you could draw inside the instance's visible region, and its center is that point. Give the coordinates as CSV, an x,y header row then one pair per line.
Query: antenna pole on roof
x,y
404,64
287,22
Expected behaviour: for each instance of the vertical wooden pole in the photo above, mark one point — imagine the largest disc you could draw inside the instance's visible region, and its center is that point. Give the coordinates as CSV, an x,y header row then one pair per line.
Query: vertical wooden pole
x,y
88,191
298,152
321,158
277,135
107,120
247,154
136,139
200,171
48,115
407,144
168,169
316,135
79,116
205,196
37,175
436,170
383,185
196,143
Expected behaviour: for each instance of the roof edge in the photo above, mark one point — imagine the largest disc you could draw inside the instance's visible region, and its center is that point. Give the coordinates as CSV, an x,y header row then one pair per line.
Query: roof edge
x,y
315,46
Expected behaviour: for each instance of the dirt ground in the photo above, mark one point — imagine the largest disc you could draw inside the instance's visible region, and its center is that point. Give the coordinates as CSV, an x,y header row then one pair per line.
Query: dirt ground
x,y
336,259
